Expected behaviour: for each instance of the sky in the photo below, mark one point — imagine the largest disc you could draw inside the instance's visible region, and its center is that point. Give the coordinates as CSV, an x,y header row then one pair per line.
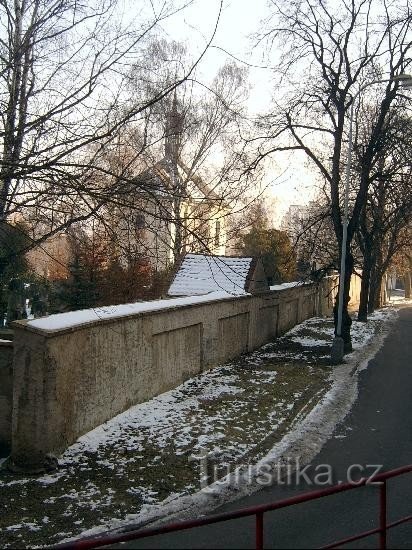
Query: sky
x,y
290,181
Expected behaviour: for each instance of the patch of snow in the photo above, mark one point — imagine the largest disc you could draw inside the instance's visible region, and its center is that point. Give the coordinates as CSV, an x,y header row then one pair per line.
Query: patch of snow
x,y
311,324
31,526
15,482
399,299
309,342
212,391
90,498
157,420
146,495
293,284
49,479
362,334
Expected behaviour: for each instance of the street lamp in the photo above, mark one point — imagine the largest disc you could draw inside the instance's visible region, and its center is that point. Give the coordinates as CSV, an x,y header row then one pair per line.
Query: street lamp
x,y
337,352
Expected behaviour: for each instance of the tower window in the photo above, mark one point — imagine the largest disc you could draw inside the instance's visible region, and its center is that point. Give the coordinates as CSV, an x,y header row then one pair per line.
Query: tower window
x,y
217,233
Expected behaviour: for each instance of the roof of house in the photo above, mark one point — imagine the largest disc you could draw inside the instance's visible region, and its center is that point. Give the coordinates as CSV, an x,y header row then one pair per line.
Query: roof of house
x,y
200,274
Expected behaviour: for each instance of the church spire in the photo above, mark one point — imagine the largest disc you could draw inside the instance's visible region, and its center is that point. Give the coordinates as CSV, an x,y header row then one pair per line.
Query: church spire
x,y
174,130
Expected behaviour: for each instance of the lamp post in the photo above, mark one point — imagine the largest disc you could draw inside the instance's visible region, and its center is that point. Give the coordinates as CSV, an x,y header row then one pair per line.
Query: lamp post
x,y
338,344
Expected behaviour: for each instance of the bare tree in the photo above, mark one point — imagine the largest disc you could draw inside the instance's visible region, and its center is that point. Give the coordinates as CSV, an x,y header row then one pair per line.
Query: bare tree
x,y
388,208
327,53
314,241
407,256
193,151
64,96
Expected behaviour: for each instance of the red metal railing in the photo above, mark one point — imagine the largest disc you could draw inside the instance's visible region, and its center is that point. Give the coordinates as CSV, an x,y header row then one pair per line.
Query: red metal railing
x,y
258,512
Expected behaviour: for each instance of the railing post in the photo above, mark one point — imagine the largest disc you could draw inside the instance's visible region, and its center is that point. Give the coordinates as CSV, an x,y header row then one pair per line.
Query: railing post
x,y
259,531
382,516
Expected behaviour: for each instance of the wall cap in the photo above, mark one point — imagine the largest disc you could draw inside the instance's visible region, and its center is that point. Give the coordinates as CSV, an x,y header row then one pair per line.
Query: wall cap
x,y
50,333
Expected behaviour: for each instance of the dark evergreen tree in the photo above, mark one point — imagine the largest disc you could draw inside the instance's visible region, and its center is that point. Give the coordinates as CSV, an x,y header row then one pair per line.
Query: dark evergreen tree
x,y
80,290
14,270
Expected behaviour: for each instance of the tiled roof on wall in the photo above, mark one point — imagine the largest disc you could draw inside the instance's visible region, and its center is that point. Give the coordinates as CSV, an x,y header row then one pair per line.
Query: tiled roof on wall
x,y
201,274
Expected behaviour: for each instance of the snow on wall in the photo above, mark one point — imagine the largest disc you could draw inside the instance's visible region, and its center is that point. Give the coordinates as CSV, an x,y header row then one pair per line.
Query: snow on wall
x,y
200,274
284,286
198,289
61,321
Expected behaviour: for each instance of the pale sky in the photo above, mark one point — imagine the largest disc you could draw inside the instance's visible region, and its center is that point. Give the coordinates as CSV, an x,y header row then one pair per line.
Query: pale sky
x,y
240,19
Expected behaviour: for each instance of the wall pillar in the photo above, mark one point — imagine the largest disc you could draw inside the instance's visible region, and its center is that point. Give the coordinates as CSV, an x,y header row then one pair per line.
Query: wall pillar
x,y
33,423
6,391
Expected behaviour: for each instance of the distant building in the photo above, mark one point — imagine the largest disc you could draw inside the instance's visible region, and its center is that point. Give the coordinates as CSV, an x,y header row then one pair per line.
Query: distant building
x,y
295,217
296,224
163,226
51,259
165,211
170,209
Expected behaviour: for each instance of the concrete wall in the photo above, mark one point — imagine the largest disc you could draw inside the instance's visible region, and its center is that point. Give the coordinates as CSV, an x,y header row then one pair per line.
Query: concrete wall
x,y
69,381
6,391
355,288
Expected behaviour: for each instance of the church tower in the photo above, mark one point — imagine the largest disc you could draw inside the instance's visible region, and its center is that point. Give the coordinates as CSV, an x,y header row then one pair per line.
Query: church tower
x,y
173,132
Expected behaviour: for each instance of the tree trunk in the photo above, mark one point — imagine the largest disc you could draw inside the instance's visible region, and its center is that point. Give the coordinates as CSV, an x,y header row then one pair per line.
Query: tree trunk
x,y
377,301
346,318
365,284
374,301
375,294
371,299
3,305
408,284
408,278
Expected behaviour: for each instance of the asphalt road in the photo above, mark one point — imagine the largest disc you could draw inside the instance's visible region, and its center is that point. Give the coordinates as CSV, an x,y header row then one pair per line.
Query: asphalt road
x,y
377,431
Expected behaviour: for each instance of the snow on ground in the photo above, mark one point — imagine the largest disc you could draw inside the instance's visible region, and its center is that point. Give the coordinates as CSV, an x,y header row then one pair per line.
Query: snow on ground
x,y
397,297
140,465
361,332
157,419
